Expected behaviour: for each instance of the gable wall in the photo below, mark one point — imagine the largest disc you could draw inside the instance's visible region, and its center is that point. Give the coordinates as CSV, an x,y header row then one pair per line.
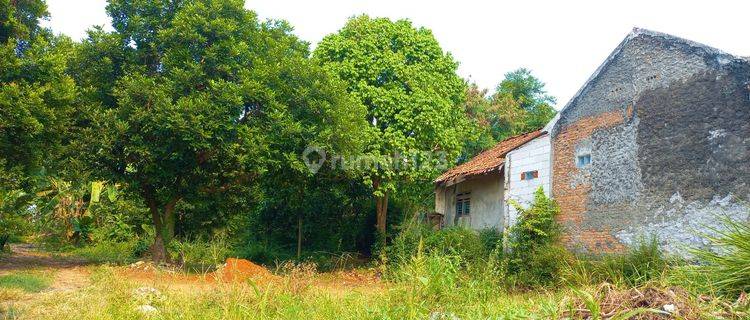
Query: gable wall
x,y
668,129
535,155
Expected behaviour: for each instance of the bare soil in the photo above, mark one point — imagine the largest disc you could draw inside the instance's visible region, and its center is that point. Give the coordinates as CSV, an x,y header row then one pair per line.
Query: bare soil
x,y
73,273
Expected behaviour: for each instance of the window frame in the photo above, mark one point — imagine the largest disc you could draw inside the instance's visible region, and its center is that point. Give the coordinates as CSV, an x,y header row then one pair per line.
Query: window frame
x,y
583,160
463,205
529,175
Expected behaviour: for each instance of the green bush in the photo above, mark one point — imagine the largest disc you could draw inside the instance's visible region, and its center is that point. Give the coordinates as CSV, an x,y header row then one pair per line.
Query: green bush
x,y
491,238
109,252
535,256
727,260
263,252
456,241
431,276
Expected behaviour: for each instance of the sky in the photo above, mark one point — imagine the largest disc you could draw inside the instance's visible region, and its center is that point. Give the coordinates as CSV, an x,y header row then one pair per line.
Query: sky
x,y
562,42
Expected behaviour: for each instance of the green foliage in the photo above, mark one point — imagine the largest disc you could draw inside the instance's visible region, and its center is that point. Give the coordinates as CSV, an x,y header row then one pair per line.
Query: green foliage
x,y
727,259
412,95
466,244
193,126
36,95
535,254
109,252
519,105
536,224
641,264
13,221
20,18
28,281
433,276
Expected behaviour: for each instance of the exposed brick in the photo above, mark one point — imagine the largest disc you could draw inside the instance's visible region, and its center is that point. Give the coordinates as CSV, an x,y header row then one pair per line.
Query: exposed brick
x,y
571,185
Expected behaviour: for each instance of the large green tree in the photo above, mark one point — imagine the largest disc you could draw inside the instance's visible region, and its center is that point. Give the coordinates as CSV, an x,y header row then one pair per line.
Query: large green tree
x,y
36,95
412,95
192,101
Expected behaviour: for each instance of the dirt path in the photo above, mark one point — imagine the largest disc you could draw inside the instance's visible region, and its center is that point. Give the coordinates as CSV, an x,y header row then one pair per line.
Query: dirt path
x,y
70,273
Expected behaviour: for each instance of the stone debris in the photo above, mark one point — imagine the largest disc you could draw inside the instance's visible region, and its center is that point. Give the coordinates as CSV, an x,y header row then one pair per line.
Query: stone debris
x,y
146,309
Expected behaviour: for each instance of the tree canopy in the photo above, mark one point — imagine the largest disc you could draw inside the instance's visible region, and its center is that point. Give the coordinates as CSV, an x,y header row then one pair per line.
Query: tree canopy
x,y
36,93
190,99
197,117
519,104
412,94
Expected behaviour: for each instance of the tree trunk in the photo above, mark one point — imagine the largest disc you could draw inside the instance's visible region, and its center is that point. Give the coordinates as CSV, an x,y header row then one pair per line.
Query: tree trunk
x,y
3,240
299,237
159,250
164,224
381,209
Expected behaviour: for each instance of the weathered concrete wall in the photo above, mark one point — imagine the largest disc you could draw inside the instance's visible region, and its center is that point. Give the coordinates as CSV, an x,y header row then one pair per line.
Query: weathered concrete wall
x,y
486,201
667,124
534,155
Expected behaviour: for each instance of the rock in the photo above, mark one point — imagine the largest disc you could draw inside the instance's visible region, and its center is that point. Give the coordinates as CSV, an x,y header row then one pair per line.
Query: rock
x,y
146,309
669,308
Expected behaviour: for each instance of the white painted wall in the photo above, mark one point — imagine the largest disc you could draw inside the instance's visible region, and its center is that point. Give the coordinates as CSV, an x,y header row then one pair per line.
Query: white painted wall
x,y
487,207
534,155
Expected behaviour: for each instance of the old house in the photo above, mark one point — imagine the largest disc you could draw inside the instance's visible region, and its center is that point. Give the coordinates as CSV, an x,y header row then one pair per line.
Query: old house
x,y
476,193
655,143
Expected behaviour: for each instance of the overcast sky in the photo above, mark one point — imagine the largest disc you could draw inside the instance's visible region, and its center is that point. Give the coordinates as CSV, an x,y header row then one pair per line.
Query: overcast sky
x,y
562,42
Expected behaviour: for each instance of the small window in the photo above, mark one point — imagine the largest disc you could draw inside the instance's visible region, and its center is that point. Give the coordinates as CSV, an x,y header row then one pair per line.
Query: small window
x,y
583,160
530,175
463,205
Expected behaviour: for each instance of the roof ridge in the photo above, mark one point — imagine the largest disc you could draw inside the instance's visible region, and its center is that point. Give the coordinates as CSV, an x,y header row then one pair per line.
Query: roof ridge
x,y
636,32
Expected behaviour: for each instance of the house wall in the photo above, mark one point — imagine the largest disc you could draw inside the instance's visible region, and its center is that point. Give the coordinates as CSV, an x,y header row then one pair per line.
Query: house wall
x,y
534,155
667,124
486,201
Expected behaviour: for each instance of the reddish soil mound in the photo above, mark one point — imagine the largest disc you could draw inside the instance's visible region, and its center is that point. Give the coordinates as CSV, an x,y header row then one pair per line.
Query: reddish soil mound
x,y
241,269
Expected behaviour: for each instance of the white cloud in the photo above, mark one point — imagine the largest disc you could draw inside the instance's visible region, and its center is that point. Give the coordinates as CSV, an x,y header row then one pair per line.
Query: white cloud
x,y
562,42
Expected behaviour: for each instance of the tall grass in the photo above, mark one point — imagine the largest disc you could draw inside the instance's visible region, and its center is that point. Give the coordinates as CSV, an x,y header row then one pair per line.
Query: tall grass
x,y
201,255
113,297
727,260
641,264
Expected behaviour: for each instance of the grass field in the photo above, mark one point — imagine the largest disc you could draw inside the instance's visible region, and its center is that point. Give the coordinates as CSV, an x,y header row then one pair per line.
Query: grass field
x,y
299,292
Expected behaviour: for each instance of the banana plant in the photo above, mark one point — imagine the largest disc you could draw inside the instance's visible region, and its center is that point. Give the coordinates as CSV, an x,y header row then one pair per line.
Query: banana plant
x,y
73,204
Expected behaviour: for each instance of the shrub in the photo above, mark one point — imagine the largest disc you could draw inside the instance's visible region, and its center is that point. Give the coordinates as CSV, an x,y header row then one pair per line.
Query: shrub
x,y
536,225
727,260
457,241
431,276
535,256
263,252
109,252
491,238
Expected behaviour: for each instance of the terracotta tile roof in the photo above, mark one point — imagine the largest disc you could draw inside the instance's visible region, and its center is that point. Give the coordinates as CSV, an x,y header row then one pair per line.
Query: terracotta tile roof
x,y
488,161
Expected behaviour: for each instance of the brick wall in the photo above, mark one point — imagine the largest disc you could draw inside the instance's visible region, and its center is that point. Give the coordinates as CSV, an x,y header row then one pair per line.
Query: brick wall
x,y
572,185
